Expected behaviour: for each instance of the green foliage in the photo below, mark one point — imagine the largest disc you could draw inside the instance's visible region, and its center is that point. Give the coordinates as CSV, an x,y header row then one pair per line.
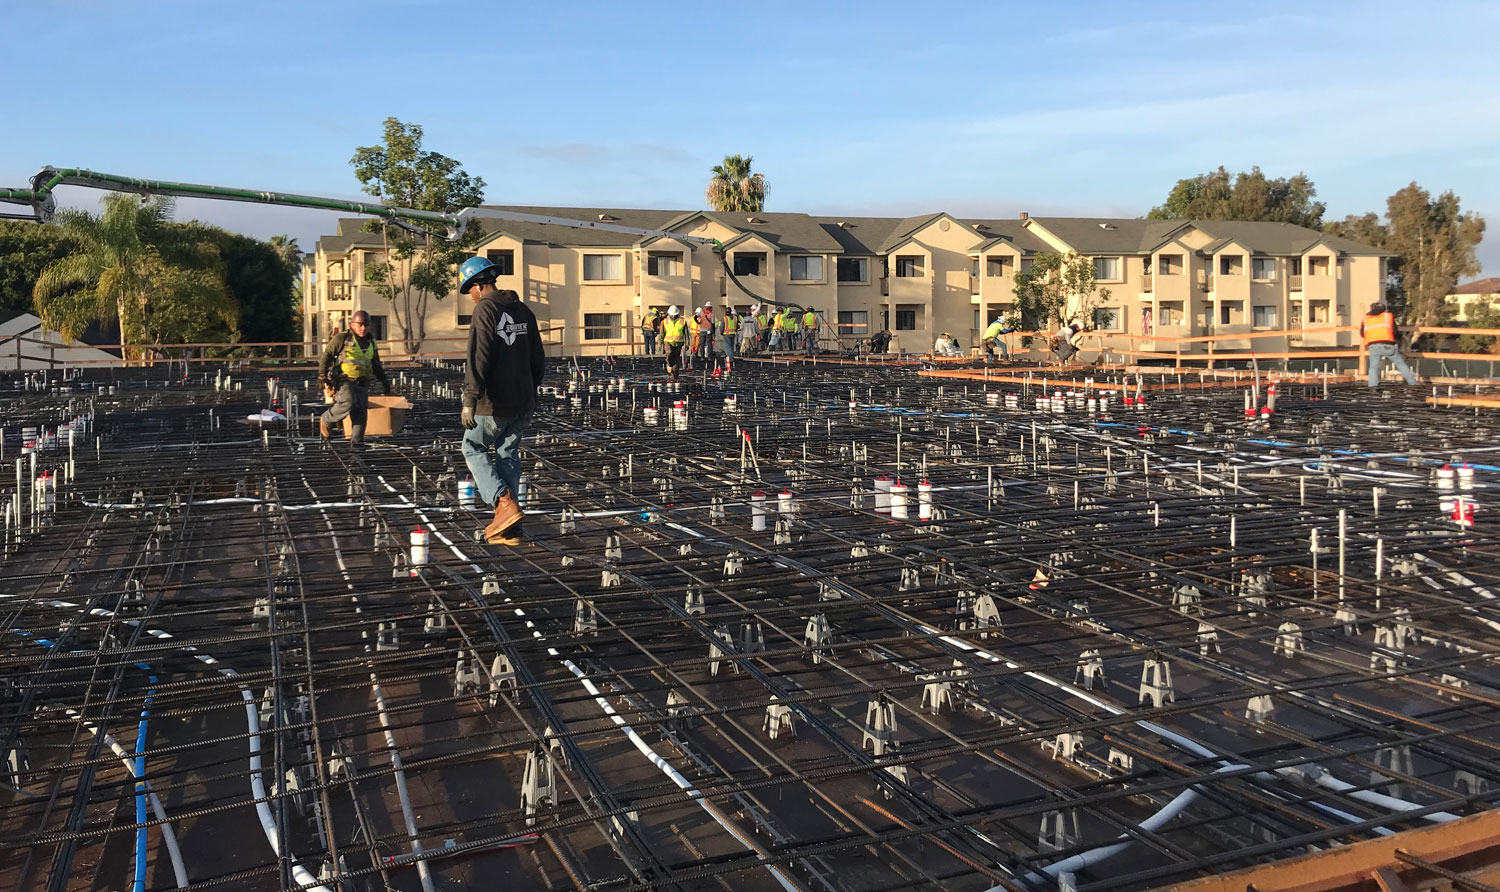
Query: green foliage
x,y
1482,314
25,250
1058,287
261,279
1218,195
734,188
1434,243
159,283
419,263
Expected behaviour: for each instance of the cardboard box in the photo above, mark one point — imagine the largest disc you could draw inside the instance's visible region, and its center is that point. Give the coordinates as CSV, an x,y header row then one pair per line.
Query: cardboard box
x,y
386,416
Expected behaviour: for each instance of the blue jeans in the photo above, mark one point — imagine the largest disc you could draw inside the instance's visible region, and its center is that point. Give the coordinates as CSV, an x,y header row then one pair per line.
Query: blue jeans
x,y
1392,354
994,344
649,339
726,345
497,473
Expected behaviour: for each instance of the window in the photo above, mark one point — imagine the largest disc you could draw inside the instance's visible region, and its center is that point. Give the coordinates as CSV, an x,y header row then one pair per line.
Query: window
x,y
663,263
1169,313
315,328
906,318
1107,268
807,268
855,323
377,327
977,323
1231,264
1317,266
1169,264
372,257
1294,266
1107,318
504,261
1265,317
975,270
1263,268
601,326
748,263
603,268
1026,264
908,266
464,321
853,269
1318,310
1231,312
999,265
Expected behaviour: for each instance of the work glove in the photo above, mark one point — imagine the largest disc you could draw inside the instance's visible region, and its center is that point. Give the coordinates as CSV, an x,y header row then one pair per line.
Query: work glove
x,y
467,418
387,386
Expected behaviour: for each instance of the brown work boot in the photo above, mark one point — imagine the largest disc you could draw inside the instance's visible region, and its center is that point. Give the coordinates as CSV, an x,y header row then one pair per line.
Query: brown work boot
x,y
513,536
325,430
507,516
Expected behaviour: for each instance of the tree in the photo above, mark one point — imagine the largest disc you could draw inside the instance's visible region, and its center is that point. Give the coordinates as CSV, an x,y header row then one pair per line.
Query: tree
x,y
1218,195
286,248
25,250
1056,288
735,188
419,261
262,281
1482,314
1434,243
157,283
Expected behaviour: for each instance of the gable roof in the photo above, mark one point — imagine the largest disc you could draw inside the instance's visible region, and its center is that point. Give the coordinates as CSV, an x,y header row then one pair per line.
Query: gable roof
x,y
1288,239
1479,286
1012,231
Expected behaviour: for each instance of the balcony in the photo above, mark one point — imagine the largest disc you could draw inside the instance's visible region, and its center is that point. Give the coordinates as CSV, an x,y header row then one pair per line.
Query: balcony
x,y
1294,283
340,289
1205,281
885,286
1146,281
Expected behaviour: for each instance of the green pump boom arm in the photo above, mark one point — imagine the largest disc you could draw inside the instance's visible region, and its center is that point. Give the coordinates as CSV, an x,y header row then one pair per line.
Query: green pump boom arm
x,y
39,197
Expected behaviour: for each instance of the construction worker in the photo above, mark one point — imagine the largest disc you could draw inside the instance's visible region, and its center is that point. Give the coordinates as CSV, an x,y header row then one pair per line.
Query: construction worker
x,y
707,326
350,362
1066,341
1378,328
880,342
994,338
810,331
778,326
763,317
790,331
674,335
750,333
729,331
649,325
505,367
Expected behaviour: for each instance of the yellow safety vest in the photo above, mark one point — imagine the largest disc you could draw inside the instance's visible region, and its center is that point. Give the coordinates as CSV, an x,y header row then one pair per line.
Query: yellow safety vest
x,y
762,321
788,322
809,320
731,324
1380,328
674,331
359,363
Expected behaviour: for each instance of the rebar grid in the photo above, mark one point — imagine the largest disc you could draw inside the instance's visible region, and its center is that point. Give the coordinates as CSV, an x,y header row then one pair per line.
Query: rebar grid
x,y
1126,644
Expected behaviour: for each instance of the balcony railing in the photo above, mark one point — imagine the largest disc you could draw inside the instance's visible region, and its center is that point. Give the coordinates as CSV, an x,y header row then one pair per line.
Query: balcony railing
x,y
1146,281
340,289
885,286
1294,283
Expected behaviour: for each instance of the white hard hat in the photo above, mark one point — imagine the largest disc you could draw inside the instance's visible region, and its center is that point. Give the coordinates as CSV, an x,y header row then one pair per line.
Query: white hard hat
x,y
708,306
673,311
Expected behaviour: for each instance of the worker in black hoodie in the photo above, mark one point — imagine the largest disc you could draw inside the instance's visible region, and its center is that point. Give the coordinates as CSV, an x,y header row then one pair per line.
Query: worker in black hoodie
x,y
505,368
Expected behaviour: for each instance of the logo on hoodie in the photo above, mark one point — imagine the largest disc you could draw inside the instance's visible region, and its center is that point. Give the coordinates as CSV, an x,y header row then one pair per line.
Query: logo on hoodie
x,y
507,329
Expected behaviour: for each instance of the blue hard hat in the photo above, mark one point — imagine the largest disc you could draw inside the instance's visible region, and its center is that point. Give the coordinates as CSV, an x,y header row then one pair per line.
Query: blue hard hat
x,y
471,270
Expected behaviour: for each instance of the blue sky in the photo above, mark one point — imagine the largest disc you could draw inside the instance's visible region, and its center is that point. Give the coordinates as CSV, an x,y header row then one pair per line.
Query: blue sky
x,y
858,108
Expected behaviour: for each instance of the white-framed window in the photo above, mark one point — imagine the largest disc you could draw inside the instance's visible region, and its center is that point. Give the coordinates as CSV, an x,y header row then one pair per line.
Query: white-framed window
x,y
854,323
1107,318
909,266
603,268
1107,268
853,269
1265,317
1169,313
1263,268
664,263
601,326
807,268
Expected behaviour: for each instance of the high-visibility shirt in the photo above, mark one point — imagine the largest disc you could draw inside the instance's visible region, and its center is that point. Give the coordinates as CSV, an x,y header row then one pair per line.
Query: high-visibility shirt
x,y
1379,328
776,321
994,330
359,362
648,324
731,324
674,330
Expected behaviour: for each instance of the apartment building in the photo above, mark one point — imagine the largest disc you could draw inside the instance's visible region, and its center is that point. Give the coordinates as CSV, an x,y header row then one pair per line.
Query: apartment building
x,y
918,276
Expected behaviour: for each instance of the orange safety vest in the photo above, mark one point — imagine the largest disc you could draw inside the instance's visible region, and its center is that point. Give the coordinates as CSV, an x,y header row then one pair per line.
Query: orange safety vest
x,y
1380,328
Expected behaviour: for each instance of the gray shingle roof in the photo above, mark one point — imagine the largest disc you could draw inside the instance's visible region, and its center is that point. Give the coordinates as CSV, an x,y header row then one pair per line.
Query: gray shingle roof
x,y
1107,235
1285,239
1009,231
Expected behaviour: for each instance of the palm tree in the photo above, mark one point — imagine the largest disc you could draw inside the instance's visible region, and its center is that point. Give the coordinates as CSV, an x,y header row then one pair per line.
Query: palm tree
x,y
155,280
735,188
286,246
